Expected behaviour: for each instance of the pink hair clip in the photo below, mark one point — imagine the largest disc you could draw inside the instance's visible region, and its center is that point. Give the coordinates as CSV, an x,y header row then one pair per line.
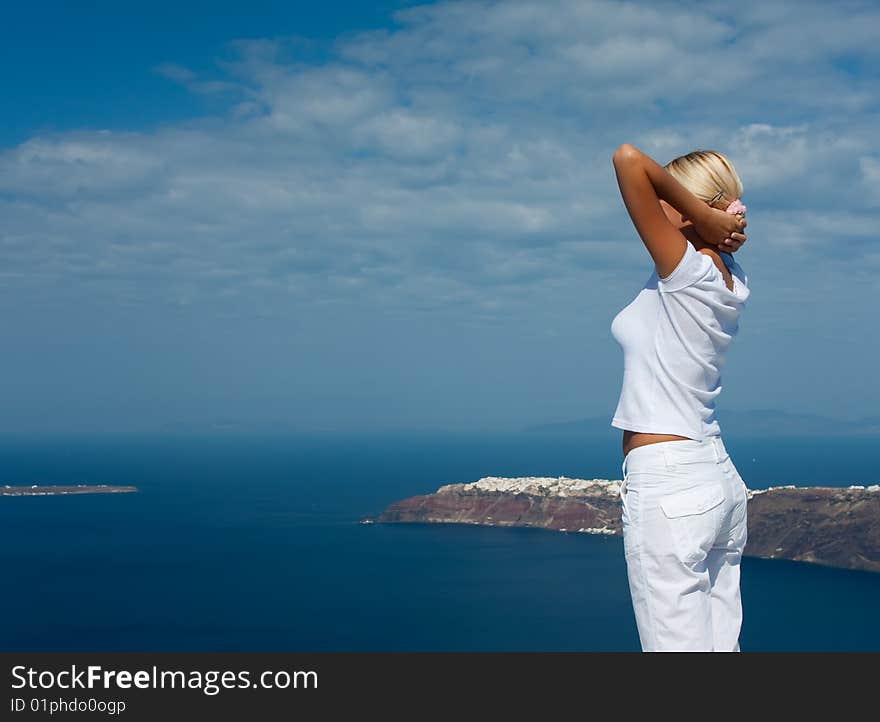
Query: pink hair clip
x,y
736,206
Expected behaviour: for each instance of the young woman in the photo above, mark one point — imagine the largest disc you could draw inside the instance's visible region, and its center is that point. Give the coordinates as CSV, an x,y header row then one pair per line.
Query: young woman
x,y
684,502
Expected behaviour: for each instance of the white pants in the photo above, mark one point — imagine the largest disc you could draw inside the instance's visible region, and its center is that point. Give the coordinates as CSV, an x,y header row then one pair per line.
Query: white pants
x,y
684,530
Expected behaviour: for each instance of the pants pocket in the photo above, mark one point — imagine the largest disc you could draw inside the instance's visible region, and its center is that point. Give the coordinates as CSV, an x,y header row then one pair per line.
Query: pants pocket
x,y
694,519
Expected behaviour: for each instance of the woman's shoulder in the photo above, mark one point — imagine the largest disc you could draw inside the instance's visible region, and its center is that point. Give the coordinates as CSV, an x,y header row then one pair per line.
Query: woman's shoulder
x,y
706,270
720,263
715,256
692,268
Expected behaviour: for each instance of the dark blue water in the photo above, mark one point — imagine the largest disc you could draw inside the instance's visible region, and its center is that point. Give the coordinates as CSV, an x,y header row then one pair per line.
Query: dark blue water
x,y
254,544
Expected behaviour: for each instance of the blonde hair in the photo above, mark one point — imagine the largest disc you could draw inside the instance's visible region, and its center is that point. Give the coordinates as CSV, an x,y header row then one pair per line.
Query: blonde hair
x,y
706,172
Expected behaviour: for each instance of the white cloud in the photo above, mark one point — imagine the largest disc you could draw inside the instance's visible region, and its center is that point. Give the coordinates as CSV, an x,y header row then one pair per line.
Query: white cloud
x,y
463,157
870,168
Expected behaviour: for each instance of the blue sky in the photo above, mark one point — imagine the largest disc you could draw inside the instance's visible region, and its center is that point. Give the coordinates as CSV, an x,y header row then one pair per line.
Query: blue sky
x,y
389,215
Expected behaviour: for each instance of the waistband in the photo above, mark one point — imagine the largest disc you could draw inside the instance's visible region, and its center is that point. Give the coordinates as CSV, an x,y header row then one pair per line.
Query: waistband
x,y
677,451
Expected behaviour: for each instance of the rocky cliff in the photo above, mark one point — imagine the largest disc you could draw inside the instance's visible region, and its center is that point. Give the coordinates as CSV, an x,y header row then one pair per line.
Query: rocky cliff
x,y
837,527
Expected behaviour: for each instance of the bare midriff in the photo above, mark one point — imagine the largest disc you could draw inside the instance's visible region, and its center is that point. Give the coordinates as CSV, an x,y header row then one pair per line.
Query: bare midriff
x,y
633,439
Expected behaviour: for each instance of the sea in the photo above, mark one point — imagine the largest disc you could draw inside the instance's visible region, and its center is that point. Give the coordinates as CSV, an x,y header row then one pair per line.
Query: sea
x,y
254,543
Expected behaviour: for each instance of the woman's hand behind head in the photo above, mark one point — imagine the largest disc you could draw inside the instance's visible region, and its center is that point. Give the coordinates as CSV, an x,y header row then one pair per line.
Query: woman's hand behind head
x,y
722,229
734,243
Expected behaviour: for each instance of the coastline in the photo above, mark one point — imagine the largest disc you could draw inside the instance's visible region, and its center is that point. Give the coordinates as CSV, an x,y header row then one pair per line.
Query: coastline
x,y
831,526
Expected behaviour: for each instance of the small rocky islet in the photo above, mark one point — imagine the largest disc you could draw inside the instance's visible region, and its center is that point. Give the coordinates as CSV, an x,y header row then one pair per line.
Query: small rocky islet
x,y
64,490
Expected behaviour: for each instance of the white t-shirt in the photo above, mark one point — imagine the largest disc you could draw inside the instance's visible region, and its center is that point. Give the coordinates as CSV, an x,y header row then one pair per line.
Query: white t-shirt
x,y
674,337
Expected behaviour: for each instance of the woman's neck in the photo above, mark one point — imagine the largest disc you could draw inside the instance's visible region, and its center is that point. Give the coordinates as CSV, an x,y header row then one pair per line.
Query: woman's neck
x,y
689,232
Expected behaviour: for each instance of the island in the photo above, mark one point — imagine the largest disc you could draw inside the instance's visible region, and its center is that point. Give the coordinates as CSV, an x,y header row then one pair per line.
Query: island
x,y
55,490
831,526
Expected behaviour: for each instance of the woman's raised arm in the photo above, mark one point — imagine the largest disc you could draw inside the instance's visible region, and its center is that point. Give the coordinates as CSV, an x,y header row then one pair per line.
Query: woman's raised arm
x,y
643,183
